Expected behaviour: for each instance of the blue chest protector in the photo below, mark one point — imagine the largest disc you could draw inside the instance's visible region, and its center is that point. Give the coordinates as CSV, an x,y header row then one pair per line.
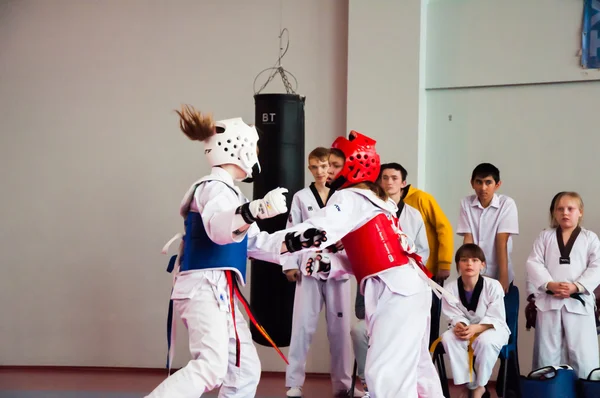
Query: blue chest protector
x,y
199,252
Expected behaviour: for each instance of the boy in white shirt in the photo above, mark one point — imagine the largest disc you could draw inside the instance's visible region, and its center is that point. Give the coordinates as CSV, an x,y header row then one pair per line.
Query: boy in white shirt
x,y
489,220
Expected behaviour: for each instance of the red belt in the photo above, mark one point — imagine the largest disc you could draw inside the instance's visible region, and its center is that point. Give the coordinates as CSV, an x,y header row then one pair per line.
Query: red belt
x,y
234,290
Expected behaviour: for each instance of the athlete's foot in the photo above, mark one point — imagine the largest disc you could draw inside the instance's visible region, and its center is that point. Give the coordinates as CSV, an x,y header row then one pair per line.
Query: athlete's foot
x,y
347,394
464,391
479,392
295,392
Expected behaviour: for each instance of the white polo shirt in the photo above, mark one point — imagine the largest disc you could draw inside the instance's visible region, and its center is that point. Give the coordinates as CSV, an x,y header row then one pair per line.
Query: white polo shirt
x,y
500,216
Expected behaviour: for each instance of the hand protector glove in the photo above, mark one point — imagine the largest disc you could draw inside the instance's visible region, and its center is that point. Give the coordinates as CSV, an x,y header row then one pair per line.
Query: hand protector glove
x,y
312,237
530,313
273,204
339,246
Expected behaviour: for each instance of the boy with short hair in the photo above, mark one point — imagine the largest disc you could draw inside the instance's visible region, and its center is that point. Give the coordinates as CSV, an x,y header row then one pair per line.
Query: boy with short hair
x,y
489,220
392,180
437,226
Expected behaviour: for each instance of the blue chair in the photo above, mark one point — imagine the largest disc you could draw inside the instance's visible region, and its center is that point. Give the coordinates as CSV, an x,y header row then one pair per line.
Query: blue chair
x,y
508,353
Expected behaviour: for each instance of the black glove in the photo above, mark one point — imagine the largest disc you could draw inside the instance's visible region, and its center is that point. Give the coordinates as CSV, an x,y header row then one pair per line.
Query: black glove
x,y
312,237
332,248
336,247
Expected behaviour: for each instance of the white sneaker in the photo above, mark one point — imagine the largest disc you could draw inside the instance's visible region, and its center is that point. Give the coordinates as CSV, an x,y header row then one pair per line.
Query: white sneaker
x,y
359,393
295,392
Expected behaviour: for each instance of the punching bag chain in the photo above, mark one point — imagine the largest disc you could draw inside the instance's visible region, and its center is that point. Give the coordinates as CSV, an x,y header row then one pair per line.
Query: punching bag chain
x,y
277,68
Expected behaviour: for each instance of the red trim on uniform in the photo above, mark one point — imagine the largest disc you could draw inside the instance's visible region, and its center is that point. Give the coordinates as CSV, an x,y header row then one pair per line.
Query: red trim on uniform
x,y
235,290
230,284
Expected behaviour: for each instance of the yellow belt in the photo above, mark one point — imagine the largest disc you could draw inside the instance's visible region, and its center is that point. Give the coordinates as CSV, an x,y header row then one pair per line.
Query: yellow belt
x,y
469,350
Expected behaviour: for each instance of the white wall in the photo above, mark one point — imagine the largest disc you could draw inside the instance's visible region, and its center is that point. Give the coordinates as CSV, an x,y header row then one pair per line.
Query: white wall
x,y
481,43
383,77
542,137
94,166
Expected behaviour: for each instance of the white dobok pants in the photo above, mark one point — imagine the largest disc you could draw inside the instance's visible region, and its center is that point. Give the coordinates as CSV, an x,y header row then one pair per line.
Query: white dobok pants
x,y
213,347
559,333
311,295
398,328
486,348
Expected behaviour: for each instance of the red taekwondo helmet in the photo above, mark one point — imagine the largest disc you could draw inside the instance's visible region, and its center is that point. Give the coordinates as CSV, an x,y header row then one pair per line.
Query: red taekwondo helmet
x,y
362,160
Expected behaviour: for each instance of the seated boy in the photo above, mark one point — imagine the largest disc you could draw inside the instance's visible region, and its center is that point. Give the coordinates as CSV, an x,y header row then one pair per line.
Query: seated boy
x,y
478,323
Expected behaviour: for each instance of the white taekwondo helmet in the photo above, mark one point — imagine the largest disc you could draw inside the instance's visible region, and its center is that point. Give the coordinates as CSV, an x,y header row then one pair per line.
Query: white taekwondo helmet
x,y
234,142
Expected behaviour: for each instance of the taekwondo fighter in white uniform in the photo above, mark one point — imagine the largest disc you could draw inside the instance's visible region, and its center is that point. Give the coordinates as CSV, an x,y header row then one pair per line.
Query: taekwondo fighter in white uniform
x,y
220,232
396,287
412,224
564,268
479,316
314,289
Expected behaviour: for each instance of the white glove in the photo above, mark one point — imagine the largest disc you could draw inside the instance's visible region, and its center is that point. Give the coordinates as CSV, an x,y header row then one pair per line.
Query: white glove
x,y
271,205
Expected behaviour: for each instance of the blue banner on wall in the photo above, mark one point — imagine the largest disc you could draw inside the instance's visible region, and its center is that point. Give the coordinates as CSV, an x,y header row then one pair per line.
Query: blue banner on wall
x,y
590,54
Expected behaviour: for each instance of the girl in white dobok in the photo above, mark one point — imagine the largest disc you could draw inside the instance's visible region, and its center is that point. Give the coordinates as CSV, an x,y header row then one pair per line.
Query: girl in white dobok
x,y
478,322
564,270
220,233
392,277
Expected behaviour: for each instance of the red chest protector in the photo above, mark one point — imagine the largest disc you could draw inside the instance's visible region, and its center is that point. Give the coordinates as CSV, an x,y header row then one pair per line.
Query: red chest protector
x,y
375,247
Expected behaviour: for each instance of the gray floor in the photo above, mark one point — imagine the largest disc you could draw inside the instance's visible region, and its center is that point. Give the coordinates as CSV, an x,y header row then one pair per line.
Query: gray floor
x,y
81,394
70,394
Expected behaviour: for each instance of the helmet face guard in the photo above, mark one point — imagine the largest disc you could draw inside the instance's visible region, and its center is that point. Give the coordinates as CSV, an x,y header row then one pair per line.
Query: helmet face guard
x,y
362,161
255,173
235,142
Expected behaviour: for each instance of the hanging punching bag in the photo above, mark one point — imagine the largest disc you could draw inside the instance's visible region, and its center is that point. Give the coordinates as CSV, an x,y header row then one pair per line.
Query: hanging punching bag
x,y
279,119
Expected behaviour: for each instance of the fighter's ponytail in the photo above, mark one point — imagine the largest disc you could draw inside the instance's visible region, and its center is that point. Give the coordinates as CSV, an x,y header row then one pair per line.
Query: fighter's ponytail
x,y
194,124
373,187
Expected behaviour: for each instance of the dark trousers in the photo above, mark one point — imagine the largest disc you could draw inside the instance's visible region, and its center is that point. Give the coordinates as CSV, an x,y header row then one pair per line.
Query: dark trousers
x,y
436,312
